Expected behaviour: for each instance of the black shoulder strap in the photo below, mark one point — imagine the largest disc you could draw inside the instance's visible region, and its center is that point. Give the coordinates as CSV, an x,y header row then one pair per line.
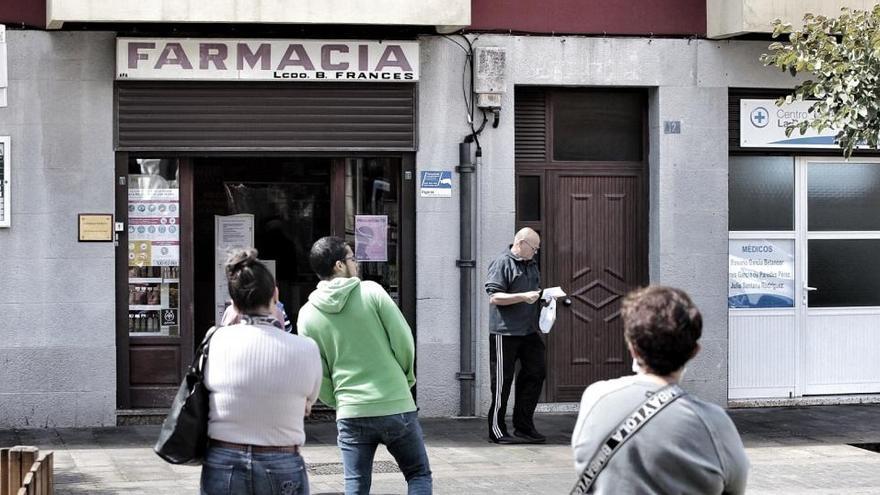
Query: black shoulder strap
x,y
201,355
626,429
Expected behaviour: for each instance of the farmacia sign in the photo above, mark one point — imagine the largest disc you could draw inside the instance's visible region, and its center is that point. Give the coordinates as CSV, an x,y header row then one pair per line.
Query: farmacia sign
x,y
266,60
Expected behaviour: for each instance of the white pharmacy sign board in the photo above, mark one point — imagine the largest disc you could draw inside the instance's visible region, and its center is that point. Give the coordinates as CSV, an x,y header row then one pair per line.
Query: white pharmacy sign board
x,y
209,59
760,273
762,125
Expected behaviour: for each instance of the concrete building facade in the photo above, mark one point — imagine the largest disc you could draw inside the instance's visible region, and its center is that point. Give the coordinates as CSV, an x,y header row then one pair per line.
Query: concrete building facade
x,y
57,296
687,81
65,293
64,351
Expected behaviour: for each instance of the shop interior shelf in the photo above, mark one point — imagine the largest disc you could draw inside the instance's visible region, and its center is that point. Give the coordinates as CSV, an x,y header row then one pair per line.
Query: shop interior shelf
x,y
143,280
144,307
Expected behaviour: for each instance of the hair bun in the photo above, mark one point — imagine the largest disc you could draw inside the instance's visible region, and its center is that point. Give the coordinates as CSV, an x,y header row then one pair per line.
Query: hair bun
x,y
240,259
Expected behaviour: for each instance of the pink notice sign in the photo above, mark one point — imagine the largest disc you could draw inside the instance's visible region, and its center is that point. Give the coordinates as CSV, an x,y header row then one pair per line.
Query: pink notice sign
x,y
371,237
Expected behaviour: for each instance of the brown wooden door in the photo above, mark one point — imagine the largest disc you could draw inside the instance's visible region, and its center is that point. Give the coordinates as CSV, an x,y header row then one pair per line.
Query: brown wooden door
x,y
581,182
596,250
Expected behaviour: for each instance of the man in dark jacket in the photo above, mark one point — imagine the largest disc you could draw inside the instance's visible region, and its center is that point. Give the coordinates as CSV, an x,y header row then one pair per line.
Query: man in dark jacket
x,y
513,287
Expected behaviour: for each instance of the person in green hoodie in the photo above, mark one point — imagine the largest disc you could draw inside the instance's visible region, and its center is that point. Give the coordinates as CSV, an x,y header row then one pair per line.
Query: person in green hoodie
x,y
368,356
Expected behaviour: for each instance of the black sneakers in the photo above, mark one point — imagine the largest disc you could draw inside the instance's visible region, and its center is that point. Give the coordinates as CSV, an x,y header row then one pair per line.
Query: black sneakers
x,y
506,440
531,436
518,437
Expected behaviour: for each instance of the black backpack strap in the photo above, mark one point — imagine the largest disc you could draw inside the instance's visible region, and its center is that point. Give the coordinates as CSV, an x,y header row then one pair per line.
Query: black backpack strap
x,y
624,431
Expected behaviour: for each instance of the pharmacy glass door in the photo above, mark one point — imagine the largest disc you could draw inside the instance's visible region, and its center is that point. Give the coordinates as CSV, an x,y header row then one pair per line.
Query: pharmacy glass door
x,y
154,339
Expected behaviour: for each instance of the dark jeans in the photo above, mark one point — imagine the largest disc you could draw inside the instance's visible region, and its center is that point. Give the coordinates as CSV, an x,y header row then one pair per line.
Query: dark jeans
x,y
504,351
400,433
230,471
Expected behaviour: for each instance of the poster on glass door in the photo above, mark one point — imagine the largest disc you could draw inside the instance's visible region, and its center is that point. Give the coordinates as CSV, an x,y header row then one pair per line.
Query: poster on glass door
x,y
371,237
154,227
760,273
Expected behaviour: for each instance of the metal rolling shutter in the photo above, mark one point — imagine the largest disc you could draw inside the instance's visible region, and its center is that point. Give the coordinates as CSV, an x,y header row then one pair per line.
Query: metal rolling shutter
x,y
220,116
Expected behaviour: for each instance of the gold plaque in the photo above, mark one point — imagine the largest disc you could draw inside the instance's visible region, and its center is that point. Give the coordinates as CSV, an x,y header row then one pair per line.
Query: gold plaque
x,y
95,227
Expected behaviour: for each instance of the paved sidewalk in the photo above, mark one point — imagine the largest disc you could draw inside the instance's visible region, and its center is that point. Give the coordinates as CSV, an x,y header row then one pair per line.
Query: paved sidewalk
x,y
792,450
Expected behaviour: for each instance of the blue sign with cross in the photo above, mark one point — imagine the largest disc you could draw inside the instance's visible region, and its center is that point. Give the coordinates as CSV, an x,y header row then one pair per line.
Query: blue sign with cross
x,y
760,117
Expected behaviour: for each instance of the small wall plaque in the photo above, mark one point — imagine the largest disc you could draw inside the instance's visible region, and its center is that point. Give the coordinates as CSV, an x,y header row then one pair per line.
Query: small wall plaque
x,y
95,227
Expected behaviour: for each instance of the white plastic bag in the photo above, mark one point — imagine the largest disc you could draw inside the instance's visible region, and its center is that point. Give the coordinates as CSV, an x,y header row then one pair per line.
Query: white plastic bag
x,y
548,316
548,312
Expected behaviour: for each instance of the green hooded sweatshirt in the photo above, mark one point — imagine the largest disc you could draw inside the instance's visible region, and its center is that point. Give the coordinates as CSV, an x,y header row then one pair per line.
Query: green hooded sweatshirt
x,y
367,348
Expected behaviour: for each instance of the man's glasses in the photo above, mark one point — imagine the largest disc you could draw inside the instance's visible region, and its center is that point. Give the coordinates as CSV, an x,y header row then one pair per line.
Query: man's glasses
x,y
534,249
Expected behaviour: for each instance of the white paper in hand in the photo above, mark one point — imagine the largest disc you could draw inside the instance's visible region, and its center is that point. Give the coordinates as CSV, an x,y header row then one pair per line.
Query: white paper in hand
x,y
552,292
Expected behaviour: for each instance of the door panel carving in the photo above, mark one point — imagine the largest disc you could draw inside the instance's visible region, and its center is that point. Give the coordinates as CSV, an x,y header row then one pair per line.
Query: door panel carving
x,y
597,252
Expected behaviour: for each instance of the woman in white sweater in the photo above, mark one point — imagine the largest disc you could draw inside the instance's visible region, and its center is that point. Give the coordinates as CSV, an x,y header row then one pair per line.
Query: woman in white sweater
x,y
262,382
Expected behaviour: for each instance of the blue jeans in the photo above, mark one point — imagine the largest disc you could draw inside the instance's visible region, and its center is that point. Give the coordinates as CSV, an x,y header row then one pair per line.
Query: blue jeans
x,y
230,471
401,434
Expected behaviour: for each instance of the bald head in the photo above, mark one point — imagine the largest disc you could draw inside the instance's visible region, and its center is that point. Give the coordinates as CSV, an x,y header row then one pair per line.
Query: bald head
x,y
527,234
526,243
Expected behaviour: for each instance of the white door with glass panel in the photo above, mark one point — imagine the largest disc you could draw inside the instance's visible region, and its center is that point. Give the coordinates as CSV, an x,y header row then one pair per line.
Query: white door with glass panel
x,y
839,234
804,293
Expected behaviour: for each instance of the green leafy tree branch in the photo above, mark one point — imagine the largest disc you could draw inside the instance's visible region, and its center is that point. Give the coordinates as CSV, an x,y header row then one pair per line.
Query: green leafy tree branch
x,y
843,56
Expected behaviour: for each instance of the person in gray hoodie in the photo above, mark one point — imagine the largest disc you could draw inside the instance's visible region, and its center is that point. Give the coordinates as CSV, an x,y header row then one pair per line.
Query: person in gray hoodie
x,y
690,446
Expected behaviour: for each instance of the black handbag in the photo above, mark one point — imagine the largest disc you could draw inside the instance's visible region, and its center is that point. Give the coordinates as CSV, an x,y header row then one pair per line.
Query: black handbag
x,y
184,435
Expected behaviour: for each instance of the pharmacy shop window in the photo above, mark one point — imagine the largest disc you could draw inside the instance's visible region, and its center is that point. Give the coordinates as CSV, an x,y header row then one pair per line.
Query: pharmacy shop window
x,y
153,247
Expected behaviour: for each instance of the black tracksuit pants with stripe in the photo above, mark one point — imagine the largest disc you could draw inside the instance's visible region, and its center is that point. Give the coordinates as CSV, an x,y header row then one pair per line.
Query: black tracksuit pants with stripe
x,y
504,352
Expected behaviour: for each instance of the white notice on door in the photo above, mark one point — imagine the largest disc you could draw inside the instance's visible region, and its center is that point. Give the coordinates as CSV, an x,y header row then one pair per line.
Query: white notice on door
x,y
234,231
761,273
230,232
